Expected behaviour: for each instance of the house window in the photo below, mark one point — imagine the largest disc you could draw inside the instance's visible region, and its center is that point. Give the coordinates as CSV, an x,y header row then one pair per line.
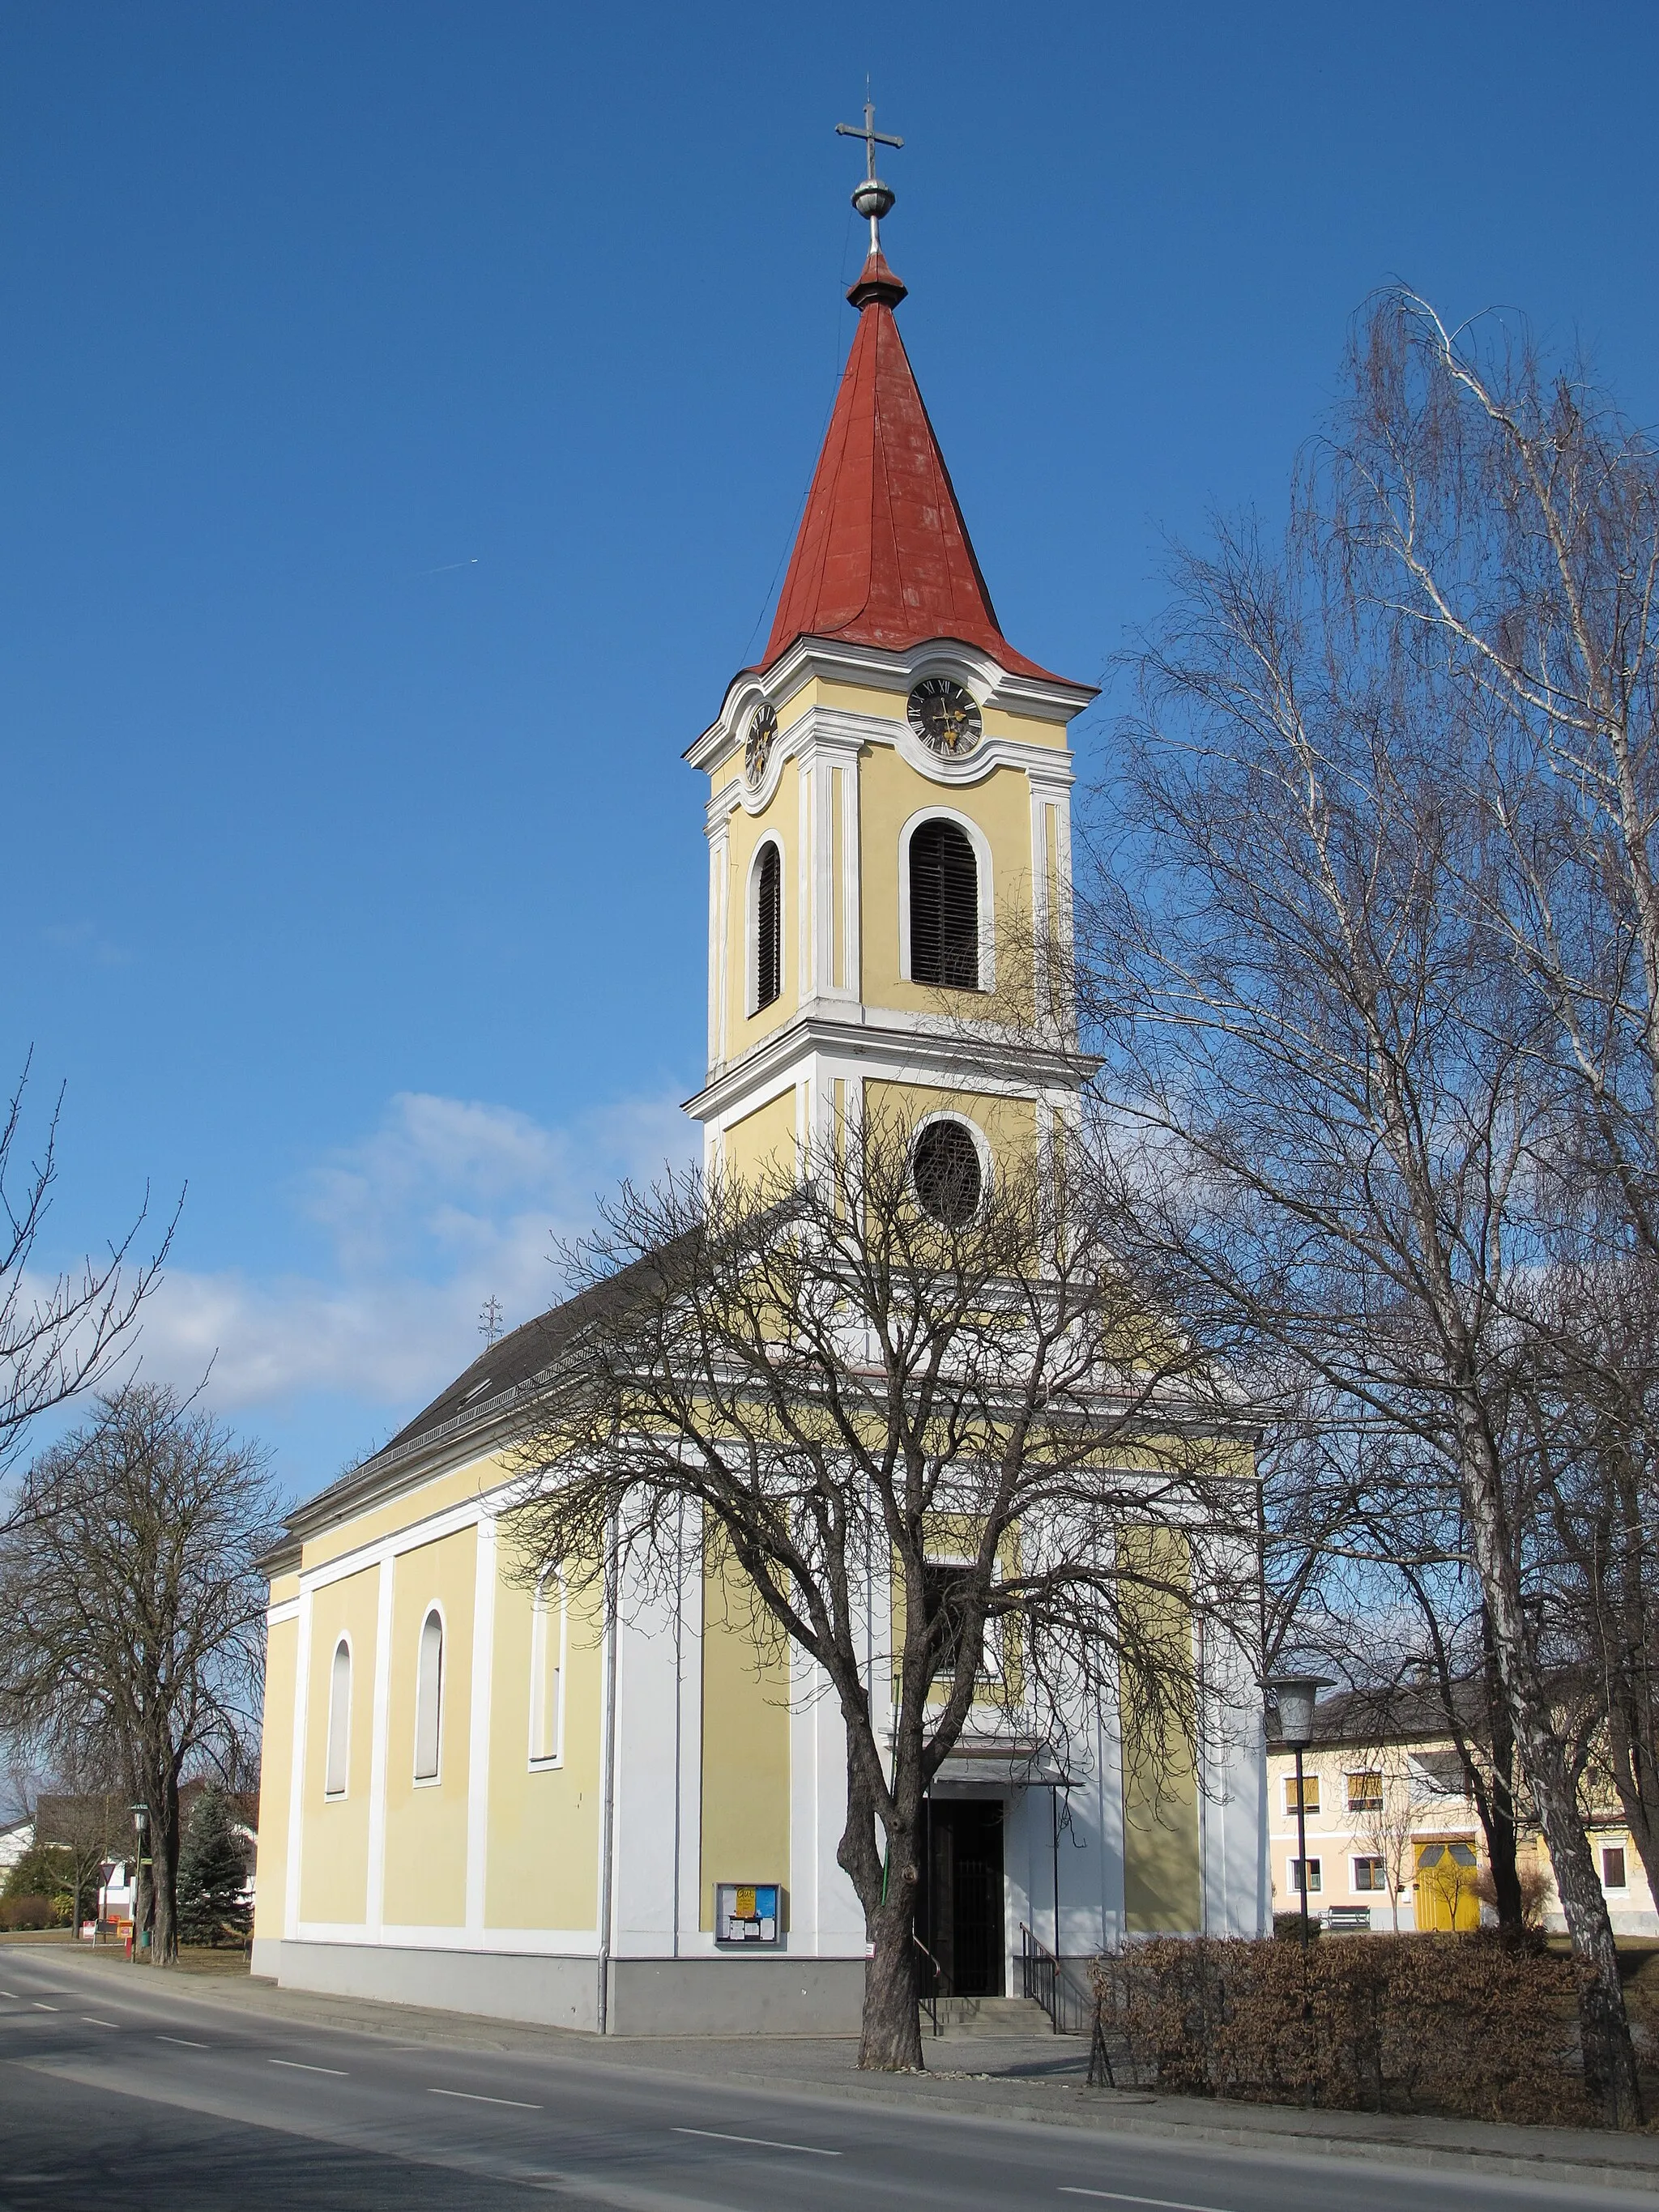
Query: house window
x,y
769,925
944,907
1310,1792
428,1696
1313,1877
546,1671
338,1766
1612,1866
1365,1793
1369,1875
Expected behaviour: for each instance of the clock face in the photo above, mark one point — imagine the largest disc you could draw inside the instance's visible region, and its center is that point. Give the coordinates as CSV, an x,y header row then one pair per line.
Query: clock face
x,y
944,717
758,746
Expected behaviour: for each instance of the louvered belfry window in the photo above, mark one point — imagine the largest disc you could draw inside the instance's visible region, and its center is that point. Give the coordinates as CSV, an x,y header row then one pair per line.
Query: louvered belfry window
x,y
944,907
768,934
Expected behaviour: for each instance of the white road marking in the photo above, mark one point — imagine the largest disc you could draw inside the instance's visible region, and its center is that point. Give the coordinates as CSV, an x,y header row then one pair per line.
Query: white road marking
x,y
9,1993
300,2067
91,2022
473,2098
183,2040
1122,2196
758,2142
38,2006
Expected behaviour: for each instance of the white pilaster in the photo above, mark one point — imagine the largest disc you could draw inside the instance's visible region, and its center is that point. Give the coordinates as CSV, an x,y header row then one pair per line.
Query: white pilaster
x,y
297,1787
373,1911
806,978
477,1744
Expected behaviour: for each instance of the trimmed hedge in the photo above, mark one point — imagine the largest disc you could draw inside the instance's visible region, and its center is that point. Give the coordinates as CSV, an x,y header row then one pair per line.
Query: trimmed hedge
x,y
1449,2024
25,1912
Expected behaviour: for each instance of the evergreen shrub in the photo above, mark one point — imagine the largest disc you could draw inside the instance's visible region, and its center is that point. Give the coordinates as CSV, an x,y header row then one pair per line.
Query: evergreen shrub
x,y
212,1875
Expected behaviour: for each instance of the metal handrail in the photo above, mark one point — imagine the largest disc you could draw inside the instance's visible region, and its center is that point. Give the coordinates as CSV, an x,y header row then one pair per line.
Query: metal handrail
x,y
928,1999
1043,1978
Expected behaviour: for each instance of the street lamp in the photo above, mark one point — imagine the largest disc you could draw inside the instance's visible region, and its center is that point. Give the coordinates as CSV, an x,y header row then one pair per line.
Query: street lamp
x,y
141,1829
1296,1695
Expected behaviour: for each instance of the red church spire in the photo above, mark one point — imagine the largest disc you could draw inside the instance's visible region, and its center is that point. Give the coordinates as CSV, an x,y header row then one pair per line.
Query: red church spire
x,y
883,556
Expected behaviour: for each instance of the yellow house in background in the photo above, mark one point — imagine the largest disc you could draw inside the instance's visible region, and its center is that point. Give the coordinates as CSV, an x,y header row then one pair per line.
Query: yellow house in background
x,y
476,1793
1394,1837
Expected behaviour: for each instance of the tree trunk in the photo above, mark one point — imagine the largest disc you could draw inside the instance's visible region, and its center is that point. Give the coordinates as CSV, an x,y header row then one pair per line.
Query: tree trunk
x,y
1498,1813
164,1946
1609,2060
891,2039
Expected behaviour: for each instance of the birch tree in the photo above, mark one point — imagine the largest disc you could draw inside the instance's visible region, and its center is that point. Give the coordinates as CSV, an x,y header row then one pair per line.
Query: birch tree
x,y
1309,999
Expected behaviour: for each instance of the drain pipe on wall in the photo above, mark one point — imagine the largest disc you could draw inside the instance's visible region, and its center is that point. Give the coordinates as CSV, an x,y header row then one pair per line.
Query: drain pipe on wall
x,y
607,1809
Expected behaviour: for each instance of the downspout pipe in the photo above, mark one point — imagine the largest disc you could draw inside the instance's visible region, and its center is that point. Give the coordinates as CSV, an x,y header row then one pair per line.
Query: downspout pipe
x,y
607,1811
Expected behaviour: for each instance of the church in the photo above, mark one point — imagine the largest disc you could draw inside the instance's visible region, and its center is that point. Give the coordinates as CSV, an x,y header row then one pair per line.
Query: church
x,y
482,1795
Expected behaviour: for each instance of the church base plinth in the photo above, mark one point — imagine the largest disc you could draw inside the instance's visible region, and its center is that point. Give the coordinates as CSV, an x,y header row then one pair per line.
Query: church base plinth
x,y
646,1996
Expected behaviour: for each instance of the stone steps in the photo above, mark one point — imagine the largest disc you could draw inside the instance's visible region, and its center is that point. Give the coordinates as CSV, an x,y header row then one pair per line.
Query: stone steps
x,y
971,2016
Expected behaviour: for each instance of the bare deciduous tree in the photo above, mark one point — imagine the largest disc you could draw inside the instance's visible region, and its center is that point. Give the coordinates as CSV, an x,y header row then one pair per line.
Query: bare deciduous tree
x,y
1345,1084
59,1334
132,1612
837,1390
1507,513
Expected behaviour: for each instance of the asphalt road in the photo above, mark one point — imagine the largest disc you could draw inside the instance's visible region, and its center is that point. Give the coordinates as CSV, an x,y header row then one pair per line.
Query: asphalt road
x,y
117,2094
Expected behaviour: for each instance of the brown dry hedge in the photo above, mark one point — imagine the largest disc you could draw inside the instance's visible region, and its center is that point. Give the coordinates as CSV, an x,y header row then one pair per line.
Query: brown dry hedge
x,y
26,1912
1447,2024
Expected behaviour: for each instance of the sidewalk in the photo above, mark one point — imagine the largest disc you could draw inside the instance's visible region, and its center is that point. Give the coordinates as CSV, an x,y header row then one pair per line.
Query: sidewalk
x,y
1021,2079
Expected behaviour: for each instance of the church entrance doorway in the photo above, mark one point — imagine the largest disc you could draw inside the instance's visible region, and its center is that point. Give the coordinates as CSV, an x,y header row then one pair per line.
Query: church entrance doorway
x,y
959,1911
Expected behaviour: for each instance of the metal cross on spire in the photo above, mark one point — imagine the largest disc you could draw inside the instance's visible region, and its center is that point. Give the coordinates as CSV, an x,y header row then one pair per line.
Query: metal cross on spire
x,y
873,198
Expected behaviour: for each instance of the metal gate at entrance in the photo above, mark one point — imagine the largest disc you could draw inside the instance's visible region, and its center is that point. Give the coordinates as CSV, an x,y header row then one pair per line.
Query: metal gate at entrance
x,y
959,1905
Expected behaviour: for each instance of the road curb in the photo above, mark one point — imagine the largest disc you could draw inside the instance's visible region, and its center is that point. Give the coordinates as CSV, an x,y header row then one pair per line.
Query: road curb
x,y
942,2093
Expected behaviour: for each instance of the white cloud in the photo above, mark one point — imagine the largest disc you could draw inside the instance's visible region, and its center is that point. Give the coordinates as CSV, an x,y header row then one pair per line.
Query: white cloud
x,y
448,1202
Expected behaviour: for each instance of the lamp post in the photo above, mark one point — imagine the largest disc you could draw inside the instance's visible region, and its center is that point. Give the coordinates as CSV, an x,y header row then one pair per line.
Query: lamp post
x,y
141,1830
1296,1695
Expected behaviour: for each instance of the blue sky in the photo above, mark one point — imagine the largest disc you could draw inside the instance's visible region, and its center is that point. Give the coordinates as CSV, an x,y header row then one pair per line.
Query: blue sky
x,y
406,412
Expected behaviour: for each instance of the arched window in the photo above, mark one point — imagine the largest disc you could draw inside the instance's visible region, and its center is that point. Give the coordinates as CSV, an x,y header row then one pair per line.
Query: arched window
x,y
339,1723
944,907
546,1670
768,926
430,1697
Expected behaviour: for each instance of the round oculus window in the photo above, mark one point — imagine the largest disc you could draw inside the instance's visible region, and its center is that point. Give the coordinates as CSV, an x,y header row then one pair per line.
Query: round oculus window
x,y
944,717
758,746
945,1170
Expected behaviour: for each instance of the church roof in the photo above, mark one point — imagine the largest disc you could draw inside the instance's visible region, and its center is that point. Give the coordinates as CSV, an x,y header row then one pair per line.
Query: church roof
x,y
510,1371
883,556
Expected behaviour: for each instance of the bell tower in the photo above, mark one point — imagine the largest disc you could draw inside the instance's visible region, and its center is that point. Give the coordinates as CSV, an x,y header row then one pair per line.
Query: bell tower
x,y
888,812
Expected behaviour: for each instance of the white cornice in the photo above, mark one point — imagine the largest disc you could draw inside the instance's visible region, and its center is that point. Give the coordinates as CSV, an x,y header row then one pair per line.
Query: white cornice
x,y
899,1045
842,730
1048,699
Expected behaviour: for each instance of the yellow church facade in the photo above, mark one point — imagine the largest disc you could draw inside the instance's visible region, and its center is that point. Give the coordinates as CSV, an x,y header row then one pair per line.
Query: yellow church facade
x,y
478,1793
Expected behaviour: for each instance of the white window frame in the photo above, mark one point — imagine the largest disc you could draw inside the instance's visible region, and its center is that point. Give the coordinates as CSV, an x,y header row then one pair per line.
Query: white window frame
x,y
990,1668
340,1724
1617,1887
1371,1859
1310,1777
752,1004
540,1627
428,1611
1318,1866
984,885
987,1164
